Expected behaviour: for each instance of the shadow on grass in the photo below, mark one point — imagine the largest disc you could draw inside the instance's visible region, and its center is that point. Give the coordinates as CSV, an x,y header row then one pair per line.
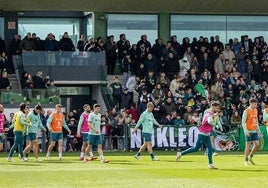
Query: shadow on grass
x,y
243,170
22,164
174,161
126,163
61,162
260,165
37,163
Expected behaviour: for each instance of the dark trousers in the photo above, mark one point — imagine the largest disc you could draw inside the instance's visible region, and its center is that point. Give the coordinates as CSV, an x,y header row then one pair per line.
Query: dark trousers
x,y
202,139
18,143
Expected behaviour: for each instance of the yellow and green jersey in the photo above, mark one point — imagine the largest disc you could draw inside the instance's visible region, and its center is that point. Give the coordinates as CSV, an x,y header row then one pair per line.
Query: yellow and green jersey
x,y
19,121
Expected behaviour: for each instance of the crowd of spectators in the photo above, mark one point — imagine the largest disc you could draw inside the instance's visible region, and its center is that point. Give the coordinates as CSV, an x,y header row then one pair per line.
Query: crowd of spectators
x,y
29,81
181,79
44,86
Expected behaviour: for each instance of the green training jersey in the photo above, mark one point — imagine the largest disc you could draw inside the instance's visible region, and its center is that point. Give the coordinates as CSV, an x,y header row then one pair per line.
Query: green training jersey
x,y
147,121
95,122
36,123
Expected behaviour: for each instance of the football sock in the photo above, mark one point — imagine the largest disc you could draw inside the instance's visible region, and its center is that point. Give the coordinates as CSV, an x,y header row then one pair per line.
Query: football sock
x,y
152,155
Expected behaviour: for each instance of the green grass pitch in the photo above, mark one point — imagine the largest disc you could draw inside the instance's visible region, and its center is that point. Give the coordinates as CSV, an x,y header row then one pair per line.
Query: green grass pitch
x,y
125,171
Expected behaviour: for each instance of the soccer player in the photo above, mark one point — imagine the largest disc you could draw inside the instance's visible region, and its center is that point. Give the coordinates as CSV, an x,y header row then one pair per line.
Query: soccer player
x,y
216,120
55,123
26,137
95,138
83,128
19,125
252,131
34,118
3,121
204,134
265,116
147,121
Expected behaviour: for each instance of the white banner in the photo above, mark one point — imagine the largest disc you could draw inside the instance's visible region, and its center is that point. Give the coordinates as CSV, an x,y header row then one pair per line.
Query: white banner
x,y
167,137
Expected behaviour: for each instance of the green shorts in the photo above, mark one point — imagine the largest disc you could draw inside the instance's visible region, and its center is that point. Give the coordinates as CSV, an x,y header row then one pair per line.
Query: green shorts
x,y
252,137
213,133
1,138
56,136
147,137
94,140
85,137
31,137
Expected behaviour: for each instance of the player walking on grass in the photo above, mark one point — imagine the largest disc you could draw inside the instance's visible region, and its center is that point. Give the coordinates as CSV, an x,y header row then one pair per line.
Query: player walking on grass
x,y
205,129
251,129
34,118
265,116
216,120
55,123
147,121
83,128
3,121
19,125
95,138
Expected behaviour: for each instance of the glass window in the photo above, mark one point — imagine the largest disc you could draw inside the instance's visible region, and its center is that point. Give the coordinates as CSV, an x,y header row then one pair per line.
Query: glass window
x,y
74,90
253,26
44,26
89,24
2,28
198,25
89,27
133,25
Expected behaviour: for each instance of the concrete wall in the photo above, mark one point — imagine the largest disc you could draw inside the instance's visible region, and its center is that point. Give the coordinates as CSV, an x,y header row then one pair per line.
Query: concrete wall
x,y
138,6
97,96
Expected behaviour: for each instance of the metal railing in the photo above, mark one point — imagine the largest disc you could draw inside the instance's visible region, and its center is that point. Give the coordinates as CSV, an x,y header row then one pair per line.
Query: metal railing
x,y
67,67
43,96
63,58
107,97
